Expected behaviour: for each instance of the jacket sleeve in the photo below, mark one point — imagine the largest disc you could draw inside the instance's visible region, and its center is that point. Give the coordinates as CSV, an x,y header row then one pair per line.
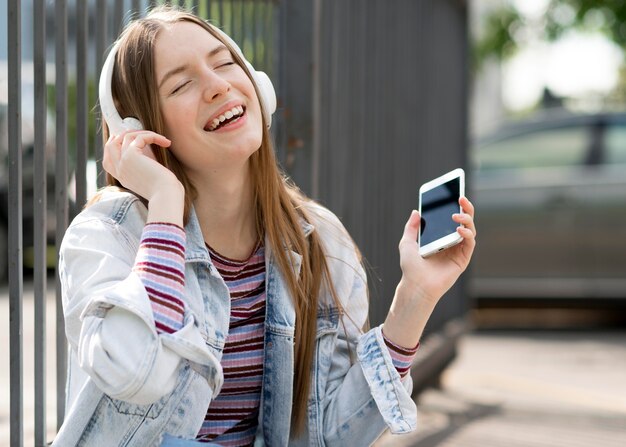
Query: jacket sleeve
x,y
109,321
364,392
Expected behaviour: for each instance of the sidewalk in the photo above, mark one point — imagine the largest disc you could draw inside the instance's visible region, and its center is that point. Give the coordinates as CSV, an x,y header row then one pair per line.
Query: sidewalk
x,y
527,389
28,359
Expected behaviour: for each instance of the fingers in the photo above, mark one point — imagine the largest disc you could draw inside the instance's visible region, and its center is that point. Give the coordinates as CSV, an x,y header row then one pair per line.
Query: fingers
x,y
117,147
466,219
411,229
466,233
141,139
111,154
140,143
467,206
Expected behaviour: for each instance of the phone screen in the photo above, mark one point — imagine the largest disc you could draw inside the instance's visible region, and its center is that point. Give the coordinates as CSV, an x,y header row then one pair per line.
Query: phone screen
x,y
438,206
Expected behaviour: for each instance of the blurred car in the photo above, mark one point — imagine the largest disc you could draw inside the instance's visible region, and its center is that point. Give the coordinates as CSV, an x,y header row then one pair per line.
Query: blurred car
x,y
550,195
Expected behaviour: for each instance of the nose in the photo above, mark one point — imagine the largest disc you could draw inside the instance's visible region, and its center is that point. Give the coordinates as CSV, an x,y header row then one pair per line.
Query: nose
x,y
215,86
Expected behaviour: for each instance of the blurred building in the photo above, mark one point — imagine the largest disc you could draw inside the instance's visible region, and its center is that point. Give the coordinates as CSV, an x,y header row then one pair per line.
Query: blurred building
x,y
486,108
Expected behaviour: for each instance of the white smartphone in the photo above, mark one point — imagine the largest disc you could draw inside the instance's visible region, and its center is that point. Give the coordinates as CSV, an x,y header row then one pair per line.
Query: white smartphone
x,y
438,201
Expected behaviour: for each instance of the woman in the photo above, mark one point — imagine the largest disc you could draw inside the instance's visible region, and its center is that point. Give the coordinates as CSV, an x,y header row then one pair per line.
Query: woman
x,y
205,297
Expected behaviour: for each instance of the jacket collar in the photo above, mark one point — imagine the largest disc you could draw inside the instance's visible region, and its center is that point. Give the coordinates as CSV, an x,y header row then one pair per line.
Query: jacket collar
x,y
196,250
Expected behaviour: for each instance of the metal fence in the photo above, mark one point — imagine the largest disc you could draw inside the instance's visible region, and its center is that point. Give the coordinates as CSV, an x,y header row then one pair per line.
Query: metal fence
x,y
390,96
371,103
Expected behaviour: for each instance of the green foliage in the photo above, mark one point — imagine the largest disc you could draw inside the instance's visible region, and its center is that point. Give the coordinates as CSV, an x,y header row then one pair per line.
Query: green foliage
x,y
72,113
502,34
498,40
250,23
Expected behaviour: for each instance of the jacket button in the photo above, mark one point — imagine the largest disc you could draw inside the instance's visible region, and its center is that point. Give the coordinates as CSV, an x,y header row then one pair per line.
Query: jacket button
x,y
269,344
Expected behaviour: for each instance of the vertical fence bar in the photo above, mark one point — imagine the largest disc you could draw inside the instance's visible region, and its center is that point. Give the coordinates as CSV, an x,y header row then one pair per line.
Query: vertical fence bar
x,y
316,98
231,10
221,14
14,30
294,59
82,100
60,189
267,36
136,5
40,210
101,39
118,16
277,68
254,32
242,24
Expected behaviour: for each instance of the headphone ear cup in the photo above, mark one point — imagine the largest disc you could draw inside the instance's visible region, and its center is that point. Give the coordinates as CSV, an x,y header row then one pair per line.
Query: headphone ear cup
x,y
130,123
268,94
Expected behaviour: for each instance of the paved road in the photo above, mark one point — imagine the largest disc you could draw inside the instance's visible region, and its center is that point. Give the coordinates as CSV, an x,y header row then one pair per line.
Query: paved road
x,y
505,389
527,389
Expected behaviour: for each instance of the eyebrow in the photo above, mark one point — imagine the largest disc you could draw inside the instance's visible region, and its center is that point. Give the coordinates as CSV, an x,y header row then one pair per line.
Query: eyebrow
x,y
180,69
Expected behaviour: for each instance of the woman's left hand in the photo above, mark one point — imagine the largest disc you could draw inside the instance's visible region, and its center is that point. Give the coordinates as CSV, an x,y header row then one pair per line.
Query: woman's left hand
x,y
431,277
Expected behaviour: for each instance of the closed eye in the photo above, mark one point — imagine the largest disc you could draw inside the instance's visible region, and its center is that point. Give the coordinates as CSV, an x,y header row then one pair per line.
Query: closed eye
x,y
225,64
179,87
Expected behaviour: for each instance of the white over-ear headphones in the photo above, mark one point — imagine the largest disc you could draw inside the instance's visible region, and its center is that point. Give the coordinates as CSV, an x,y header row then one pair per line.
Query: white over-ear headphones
x,y
117,125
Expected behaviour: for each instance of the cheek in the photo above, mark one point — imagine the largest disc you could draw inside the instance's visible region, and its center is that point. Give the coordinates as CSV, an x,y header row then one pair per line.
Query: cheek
x,y
175,112
258,113
171,119
257,129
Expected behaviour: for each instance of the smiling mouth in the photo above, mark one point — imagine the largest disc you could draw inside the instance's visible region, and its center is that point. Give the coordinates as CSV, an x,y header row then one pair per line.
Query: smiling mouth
x,y
228,117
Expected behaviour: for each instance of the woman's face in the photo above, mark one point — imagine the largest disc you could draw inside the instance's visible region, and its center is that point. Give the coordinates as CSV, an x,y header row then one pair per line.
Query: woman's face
x,y
211,111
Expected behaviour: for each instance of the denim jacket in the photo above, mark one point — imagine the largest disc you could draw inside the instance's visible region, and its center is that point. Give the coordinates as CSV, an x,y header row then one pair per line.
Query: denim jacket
x,y
128,385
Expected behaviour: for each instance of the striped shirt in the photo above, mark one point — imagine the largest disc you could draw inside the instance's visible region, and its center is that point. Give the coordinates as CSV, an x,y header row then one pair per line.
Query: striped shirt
x,y
401,357
231,419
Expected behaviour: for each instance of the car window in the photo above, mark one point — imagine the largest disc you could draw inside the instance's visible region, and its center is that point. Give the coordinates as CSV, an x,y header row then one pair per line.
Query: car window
x,y
615,144
565,146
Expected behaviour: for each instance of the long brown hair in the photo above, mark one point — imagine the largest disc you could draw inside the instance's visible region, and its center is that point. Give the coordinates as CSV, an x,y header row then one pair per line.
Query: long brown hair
x,y
278,202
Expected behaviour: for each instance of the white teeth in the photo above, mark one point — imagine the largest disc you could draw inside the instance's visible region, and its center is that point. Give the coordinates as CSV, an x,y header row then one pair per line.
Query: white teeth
x,y
235,111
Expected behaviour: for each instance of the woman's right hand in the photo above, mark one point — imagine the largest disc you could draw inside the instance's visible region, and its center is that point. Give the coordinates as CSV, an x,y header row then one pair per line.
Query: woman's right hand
x,y
129,158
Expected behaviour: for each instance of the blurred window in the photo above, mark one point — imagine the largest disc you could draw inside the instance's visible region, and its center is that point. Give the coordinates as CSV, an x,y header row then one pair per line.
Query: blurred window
x,y
615,144
564,146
